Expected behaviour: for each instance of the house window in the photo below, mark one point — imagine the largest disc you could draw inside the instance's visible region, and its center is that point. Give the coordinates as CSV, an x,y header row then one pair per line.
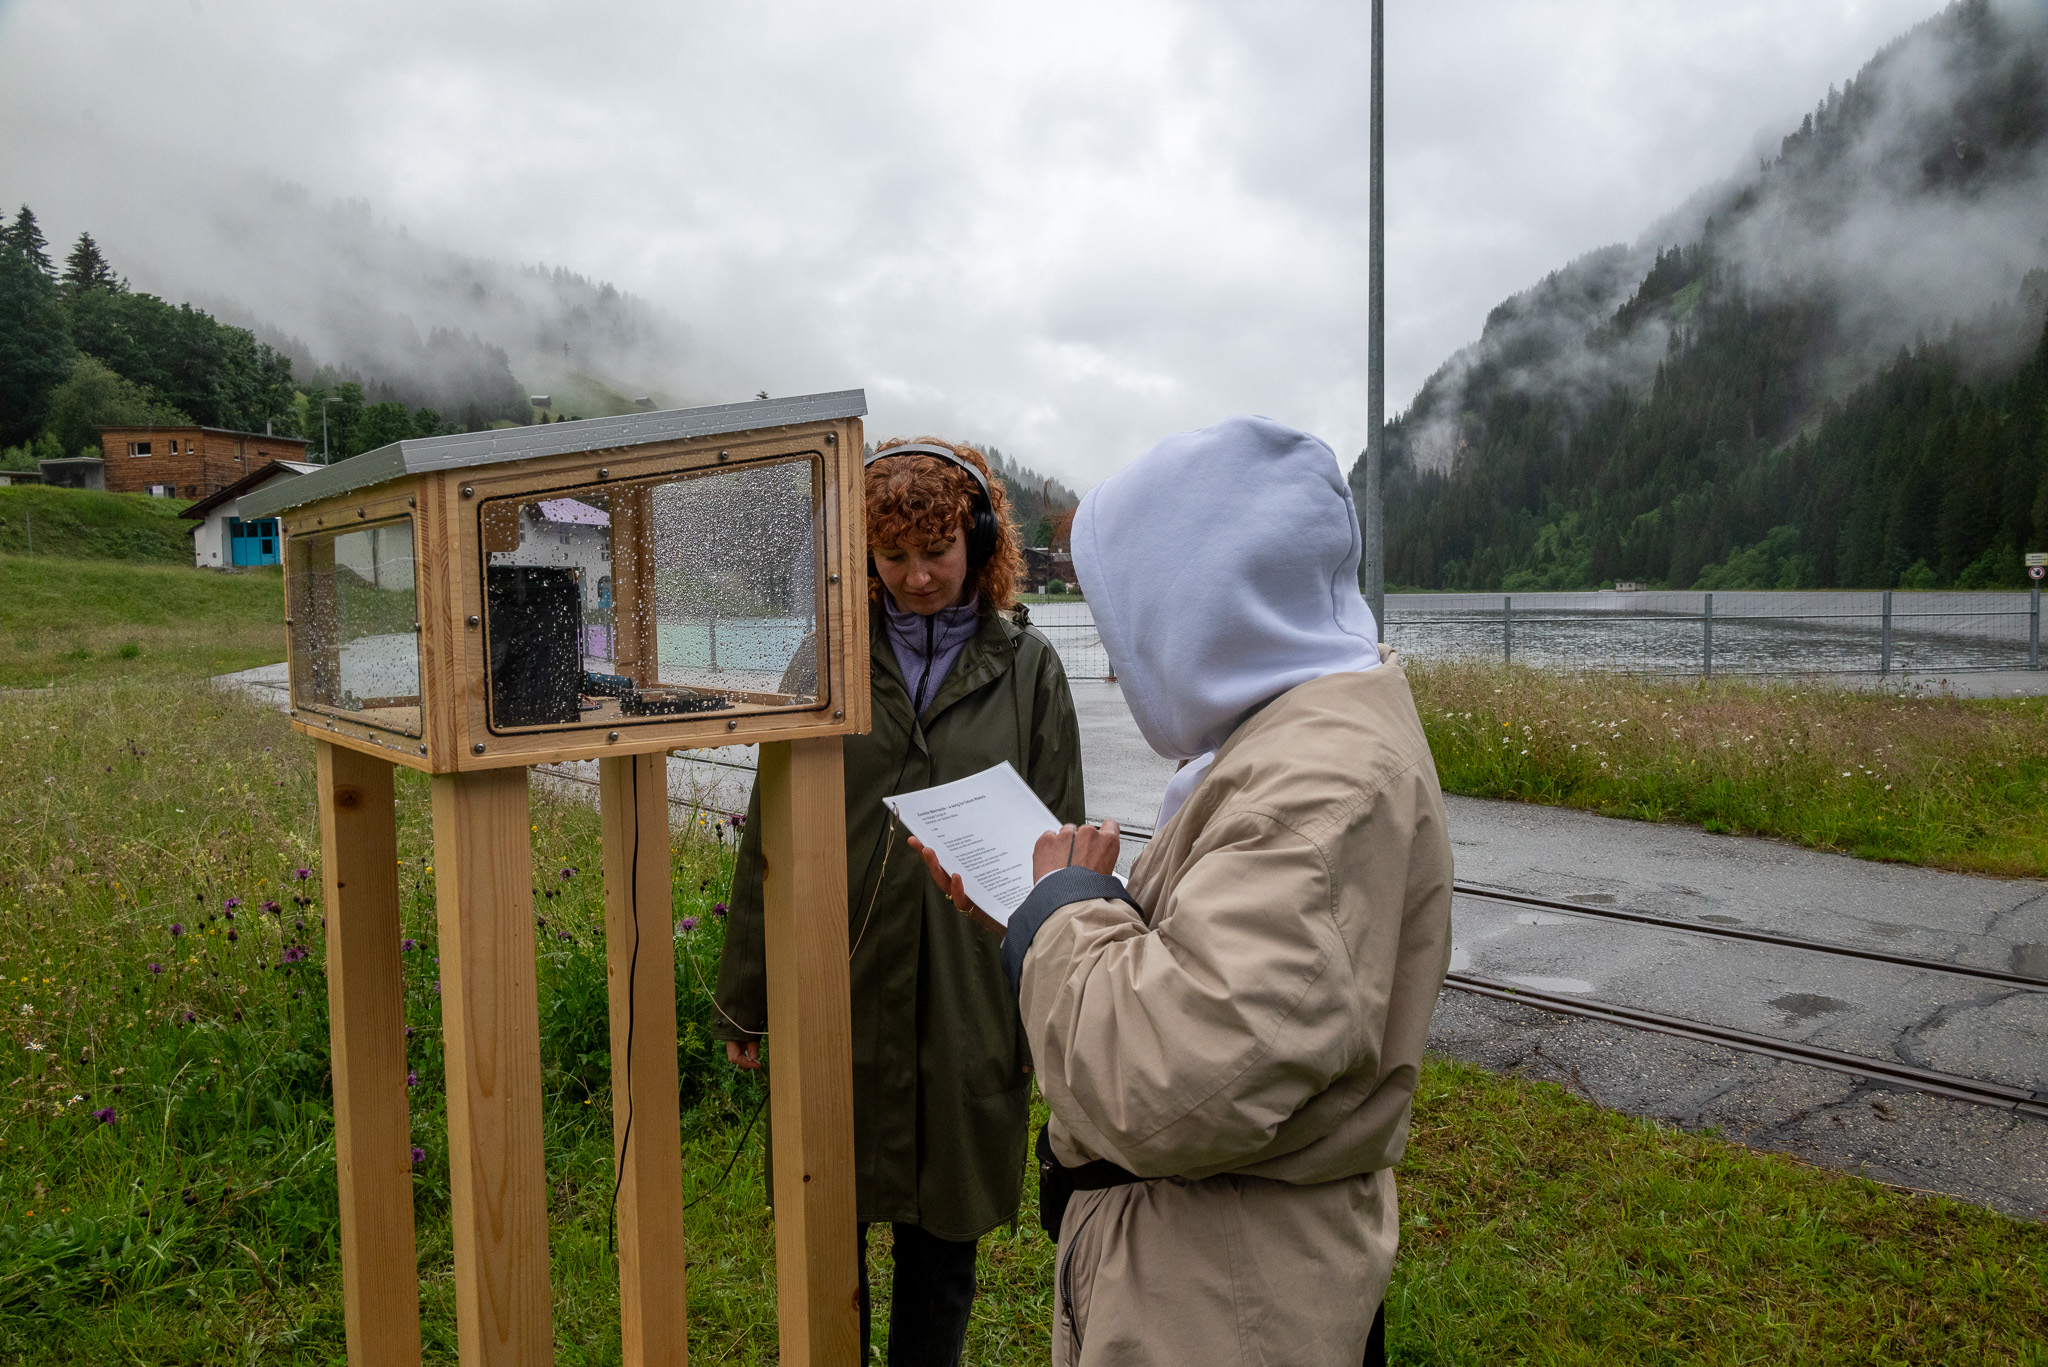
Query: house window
x,y
138,448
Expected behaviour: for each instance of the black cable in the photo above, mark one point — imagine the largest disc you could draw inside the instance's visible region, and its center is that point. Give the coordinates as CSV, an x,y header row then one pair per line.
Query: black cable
x,y
632,974
738,1148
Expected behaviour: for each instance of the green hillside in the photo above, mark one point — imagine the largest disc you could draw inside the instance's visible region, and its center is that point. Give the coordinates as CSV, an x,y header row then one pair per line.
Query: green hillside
x,y
86,524
77,621
1833,372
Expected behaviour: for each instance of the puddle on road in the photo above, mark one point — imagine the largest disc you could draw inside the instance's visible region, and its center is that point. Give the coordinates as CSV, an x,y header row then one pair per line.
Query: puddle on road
x,y
1541,918
1804,1006
2030,960
1552,984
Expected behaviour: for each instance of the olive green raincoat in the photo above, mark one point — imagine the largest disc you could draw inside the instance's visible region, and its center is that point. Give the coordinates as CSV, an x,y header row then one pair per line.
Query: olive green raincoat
x,y
941,1070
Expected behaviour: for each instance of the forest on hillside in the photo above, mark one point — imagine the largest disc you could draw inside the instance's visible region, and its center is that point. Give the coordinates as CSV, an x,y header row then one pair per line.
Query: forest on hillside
x,y
80,348
1831,373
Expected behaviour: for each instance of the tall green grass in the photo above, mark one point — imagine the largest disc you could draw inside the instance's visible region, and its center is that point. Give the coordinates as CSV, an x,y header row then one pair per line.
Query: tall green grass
x,y
1948,782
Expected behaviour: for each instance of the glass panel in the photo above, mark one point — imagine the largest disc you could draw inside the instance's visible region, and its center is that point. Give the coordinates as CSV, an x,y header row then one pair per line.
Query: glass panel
x,y
694,593
353,604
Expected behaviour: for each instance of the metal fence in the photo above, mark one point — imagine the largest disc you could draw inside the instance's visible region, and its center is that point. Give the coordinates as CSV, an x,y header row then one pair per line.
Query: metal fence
x,y
1785,632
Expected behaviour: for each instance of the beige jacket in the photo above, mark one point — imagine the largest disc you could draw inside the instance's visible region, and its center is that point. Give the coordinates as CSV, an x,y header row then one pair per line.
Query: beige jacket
x,y
1264,1019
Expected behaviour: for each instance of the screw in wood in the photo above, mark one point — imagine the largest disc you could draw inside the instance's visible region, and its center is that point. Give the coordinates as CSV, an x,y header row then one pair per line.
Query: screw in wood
x,y
468,491
477,749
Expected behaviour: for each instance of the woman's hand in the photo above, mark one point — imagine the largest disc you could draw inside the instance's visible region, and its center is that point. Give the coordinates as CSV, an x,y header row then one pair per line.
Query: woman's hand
x,y
1080,847
743,1054
955,890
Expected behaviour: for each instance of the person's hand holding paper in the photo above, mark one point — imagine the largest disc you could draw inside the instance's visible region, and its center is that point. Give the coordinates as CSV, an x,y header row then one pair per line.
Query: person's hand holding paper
x,y
987,839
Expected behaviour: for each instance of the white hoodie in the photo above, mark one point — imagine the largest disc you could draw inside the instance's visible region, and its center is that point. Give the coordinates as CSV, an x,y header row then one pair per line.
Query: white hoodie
x,y
1222,570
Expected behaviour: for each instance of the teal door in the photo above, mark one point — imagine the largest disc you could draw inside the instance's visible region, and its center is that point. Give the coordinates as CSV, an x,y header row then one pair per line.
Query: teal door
x,y
252,543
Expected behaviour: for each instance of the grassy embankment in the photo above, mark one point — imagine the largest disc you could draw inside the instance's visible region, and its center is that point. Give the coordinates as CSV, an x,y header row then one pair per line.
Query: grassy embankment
x,y
1951,783
109,592
166,1157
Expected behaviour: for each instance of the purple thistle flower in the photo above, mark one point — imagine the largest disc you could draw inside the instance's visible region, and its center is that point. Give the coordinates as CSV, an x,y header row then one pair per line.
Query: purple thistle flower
x,y
689,924
408,946
437,987
719,908
271,906
231,903
156,970
412,1078
105,1115
294,953
562,935
232,937
177,929
302,874
408,1032
419,1155
188,1018
568,873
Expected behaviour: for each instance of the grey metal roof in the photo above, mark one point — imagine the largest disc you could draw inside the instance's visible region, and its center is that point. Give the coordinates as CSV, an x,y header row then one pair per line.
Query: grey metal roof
x,y
468,449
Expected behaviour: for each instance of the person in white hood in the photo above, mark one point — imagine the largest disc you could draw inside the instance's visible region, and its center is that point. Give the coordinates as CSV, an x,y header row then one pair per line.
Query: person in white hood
x,y
1229,1045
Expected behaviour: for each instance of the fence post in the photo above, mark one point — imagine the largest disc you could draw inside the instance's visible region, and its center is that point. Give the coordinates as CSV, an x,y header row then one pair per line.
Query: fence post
x,y
1884,650
1707,618
2034,629
1507,630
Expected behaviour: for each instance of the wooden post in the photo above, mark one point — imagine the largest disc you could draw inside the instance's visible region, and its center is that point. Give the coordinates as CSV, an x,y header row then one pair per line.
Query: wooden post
x,y
810,1020
647,1140
490,1030
366,1011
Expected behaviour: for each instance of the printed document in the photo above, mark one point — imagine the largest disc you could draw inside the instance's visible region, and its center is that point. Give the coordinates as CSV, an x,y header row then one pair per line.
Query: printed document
x,y
983,828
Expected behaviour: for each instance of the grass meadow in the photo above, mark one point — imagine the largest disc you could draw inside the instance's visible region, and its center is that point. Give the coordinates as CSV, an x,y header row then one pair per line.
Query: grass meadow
x,y
1946,782
167,1190
92,621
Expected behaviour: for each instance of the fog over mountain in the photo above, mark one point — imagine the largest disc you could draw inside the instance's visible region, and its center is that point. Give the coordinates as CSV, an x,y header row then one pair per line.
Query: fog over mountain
x,y
1909,209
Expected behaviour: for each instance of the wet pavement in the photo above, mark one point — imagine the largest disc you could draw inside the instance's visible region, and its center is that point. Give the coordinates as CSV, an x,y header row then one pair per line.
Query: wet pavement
x,y
1951,1024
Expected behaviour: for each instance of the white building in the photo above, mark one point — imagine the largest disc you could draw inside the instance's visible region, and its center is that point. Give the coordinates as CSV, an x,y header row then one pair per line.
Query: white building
x,y
222,539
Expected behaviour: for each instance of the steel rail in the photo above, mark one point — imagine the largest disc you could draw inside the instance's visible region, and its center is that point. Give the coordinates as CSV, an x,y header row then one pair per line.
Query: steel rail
x,y
1994,1094
2021,981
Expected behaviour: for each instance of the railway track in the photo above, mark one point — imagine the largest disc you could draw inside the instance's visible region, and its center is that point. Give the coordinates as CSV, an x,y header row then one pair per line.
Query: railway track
x,y
1998,1096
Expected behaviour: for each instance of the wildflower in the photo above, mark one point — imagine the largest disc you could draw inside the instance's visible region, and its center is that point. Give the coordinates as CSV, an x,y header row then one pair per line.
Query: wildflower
x,y
302,874
294,953
719,909
188,1018
105,1115
156,970
568,873
176,930
232,936
419,1155
562,935
689,924
271,907
407,946
412,1078
35,1047
231,903
408,1032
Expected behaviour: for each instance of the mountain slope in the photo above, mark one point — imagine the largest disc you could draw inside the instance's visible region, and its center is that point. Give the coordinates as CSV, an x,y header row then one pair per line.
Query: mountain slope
x,y
1744,396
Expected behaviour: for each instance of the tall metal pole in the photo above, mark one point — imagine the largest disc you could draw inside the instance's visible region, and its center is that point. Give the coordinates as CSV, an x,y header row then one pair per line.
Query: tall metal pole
x,y
1375,568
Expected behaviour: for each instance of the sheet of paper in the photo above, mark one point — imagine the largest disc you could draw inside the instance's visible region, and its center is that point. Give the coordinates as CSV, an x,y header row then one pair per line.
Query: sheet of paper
x,y
983,828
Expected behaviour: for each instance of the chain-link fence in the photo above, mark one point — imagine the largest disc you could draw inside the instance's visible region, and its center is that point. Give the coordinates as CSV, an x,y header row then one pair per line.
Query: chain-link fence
x,y
1787,632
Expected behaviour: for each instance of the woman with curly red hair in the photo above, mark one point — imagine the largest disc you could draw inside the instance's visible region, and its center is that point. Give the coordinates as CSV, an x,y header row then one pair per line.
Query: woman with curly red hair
x,y
942,1074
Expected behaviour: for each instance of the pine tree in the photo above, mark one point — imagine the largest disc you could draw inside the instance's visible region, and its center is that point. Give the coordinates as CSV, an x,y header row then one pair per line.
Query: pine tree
x,y
26,237
86,269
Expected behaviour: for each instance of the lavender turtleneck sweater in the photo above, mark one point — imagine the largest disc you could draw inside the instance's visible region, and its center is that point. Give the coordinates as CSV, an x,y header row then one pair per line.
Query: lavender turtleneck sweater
x,y
927,646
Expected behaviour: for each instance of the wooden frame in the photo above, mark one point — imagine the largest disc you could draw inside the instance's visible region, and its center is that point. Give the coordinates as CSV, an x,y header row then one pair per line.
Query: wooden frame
x,y
484,890
445,506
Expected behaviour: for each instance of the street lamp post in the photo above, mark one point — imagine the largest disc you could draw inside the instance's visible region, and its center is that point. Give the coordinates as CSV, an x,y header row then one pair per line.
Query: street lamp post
x,y
326,450
1374,529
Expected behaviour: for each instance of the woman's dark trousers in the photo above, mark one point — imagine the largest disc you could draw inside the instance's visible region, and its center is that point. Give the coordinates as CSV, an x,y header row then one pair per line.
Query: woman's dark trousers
x,y
934,1290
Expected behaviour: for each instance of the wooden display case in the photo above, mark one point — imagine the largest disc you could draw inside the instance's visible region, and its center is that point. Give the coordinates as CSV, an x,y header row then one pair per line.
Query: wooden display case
x,y
611,590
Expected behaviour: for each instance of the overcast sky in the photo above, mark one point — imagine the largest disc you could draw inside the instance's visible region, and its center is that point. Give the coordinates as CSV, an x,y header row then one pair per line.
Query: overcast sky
x,y
1067,228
